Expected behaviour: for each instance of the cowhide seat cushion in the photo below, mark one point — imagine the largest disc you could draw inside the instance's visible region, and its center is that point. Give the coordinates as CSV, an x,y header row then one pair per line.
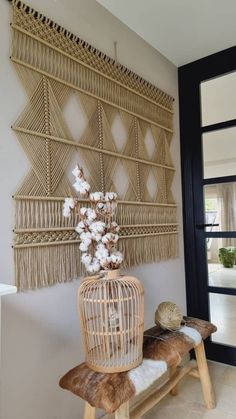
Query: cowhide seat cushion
x,y
161,350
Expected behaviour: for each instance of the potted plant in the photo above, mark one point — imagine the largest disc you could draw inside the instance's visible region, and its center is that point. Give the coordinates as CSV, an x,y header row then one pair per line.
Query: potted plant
x,y
227,256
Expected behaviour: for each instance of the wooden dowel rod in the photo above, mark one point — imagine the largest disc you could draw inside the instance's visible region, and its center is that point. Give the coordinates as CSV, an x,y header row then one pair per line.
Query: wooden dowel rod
x,y
147,235
42,41
61,198
38,230
134,236
44,198
23,246
72,86
156,396
72,143
148,225
41,230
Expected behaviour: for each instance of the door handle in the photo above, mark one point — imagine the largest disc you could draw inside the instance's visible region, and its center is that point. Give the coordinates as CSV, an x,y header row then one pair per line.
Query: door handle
x,y
202,226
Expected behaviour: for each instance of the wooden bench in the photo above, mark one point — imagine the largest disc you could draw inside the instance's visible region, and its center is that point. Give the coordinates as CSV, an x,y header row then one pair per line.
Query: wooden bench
x,y
162,351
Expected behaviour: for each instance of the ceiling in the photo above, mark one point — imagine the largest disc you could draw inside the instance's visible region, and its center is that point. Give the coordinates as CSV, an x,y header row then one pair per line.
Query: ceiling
x,y
182,30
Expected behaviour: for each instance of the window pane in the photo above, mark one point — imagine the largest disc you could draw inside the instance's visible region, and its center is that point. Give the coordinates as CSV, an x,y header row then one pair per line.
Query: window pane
x,y
218,99
221,259
219,153
220,206
223,315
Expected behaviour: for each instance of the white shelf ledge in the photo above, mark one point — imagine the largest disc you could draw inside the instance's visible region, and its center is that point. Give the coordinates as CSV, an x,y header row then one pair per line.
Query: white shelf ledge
x,y
6,289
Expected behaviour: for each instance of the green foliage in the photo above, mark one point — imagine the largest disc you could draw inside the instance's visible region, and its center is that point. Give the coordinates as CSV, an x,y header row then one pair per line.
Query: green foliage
x,y
211,204
227,256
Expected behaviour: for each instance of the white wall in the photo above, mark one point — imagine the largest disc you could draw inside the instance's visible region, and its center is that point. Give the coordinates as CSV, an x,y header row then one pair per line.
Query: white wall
x,y
40,333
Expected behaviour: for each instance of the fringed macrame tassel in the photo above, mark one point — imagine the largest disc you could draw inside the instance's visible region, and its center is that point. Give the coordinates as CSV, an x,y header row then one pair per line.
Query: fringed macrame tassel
x,y
146,214
149,249
38,267
43,214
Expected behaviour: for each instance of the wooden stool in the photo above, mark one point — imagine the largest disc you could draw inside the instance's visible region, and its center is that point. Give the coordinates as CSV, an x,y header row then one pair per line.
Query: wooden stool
x,y
112,392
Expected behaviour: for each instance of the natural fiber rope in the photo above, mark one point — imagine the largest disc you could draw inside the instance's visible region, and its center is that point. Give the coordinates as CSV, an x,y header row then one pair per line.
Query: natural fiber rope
x,y
53,64
94,96
27,18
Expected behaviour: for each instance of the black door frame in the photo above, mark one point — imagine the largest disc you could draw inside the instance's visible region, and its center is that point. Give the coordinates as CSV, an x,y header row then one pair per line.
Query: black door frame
x,y
190,77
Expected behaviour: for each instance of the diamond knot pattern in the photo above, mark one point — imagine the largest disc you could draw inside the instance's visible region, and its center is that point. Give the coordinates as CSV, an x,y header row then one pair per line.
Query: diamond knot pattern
x,y
120,151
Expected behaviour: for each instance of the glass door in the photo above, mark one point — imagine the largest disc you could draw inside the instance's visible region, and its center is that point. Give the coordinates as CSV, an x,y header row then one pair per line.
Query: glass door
x,y
218,109
208,148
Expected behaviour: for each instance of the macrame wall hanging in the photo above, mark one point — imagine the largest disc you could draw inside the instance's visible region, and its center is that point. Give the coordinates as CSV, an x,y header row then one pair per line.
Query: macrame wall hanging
x,y
54,65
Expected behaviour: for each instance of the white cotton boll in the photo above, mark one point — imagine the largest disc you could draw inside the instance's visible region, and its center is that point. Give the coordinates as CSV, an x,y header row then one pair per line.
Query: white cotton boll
x,y
78,184
90,268
83,247
77,172
101,253
82,192
93,197
69,202
115,238
83,211
93,227
96,196
106,238
86,235
110,237
96,236
117,257
86,259
110,196
101,206
115,226
85,185
91,214
105,262
86,241
82,187
113,258
66,211
94,266
68,205
100,227
101,246
80,227
97,227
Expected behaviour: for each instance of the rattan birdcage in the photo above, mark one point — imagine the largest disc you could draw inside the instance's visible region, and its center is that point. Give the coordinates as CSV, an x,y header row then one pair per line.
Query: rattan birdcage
x,y
111,311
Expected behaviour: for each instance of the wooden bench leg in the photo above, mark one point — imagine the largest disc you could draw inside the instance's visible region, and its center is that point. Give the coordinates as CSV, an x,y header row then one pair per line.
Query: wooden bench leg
x,y
123,411
207,388
174,390
89,411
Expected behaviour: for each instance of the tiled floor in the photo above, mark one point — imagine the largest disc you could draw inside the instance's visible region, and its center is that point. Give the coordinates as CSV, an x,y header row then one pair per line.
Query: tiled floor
x,y
220,276
223,315
189,402
223,306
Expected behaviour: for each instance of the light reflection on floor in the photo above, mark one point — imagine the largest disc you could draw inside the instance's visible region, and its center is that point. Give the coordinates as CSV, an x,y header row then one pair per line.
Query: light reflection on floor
x,y
189,403
220,276
223,307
